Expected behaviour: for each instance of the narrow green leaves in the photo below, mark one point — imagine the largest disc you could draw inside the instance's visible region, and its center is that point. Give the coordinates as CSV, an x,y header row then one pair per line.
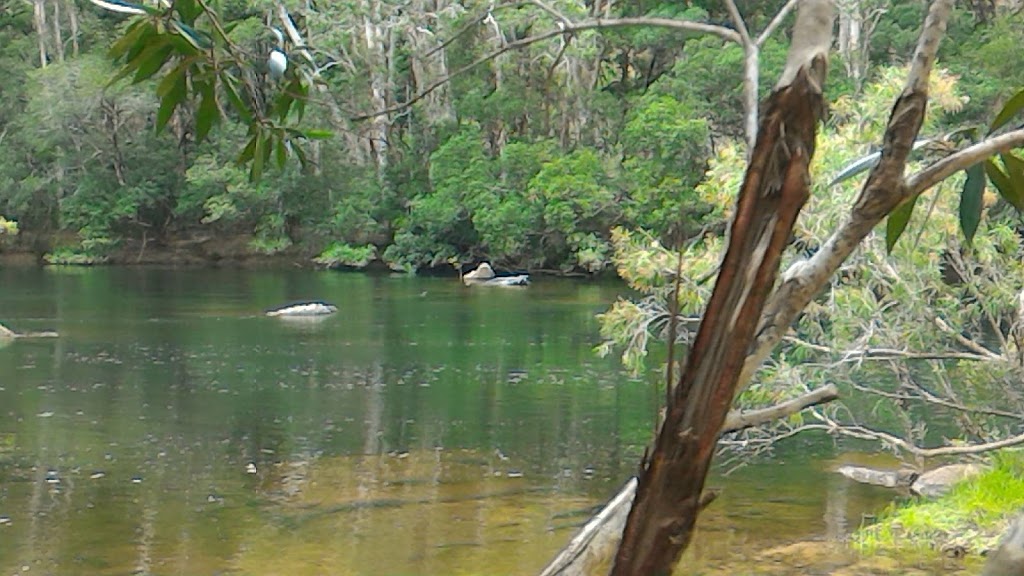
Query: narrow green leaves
x,y
1012,107
972,201
896,224
172,91
313,134
208,113
1009,183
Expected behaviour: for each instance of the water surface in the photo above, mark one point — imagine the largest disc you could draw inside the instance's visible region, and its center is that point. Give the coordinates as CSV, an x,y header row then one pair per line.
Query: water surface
x,y
425,429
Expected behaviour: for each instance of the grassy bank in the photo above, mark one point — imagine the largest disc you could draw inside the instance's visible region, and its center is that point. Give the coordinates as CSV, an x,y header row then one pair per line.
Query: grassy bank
x,y
969,519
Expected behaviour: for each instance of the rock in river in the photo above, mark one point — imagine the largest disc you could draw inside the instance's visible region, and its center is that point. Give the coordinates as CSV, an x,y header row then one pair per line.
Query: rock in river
x,y
304,309
484,276
935,483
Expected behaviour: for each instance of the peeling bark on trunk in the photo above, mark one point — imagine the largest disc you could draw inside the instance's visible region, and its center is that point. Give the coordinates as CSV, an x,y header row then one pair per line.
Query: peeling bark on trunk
x,y
376,52
883,191
58,37
72,11
669,493
39,19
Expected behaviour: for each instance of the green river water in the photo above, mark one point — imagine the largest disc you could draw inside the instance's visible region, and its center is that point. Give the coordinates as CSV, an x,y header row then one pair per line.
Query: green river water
x,y
425,429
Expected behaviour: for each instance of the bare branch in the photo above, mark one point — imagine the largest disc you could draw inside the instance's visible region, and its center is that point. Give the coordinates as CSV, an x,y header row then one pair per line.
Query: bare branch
x,y
962,159
966,342
593,24
738,420
741,26
882,192
550,10
776,22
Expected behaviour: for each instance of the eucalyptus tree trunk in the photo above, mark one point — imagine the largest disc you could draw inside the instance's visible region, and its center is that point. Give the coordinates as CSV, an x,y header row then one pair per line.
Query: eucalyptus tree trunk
x,y
885,189
72,12
39,20
670,487
58,37
377,47
857,19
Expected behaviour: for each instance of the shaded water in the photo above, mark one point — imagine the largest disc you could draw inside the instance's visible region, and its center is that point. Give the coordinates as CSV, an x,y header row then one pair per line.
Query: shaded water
x,y
425,429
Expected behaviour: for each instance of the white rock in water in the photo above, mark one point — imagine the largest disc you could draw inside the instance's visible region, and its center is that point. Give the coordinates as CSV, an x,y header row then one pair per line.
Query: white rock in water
x,y
482,272
484,276
307,309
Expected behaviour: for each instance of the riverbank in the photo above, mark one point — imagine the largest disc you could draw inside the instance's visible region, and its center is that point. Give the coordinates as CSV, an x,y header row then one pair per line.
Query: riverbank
x,y
968,520
187,250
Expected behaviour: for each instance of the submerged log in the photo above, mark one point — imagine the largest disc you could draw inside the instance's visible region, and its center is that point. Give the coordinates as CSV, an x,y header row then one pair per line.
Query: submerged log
x,y
902,478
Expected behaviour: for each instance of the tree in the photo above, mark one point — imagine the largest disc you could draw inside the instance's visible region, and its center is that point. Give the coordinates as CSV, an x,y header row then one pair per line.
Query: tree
x,y
747,314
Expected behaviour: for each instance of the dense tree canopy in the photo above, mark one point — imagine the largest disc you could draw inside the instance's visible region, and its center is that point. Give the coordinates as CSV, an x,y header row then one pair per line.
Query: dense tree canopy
x,y
528,159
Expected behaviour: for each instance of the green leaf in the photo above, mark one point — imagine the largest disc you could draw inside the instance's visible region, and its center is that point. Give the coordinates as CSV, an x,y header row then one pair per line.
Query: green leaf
x,y
249,151
208,113
300,153
896,224
1014,105
152,60
134,36
189,10
256,169
236,100
316,134
1004,185
300,99
172,91
281,152
284,104
172,80
1014,169
972,201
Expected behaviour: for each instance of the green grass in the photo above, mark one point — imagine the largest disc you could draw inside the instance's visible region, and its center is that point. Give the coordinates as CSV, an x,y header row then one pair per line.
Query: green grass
x,y
971,517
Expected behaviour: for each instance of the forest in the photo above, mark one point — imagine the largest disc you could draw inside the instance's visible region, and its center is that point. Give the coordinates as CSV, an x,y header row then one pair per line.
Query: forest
x,y
426,152
579,138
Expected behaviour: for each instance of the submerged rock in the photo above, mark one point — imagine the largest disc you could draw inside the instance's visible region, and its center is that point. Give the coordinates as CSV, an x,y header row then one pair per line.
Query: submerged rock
x,y
304,309
937,482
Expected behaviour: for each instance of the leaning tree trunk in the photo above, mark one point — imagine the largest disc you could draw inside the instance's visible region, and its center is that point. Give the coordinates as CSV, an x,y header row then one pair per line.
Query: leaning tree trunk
x,y
776,186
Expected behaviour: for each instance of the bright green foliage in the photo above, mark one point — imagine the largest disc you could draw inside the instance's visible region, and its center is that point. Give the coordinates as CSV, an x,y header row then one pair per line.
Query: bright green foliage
x,y
972,516
338,254
527,160
927,295
665,148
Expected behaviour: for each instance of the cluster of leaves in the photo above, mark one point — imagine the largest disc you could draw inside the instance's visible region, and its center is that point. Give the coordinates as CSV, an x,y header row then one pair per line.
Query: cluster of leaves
x,y
1005,174
339,254
935,293
532,207
205,67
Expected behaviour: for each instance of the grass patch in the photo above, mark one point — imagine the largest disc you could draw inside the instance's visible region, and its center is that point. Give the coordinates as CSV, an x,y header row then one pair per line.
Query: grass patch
x,y
970,518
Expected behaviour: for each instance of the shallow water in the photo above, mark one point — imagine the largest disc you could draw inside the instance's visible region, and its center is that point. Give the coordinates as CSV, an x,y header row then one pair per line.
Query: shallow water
x,y
425,429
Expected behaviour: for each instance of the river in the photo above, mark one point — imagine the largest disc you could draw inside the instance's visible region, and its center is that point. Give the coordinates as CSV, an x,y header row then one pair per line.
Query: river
x,y
425,429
